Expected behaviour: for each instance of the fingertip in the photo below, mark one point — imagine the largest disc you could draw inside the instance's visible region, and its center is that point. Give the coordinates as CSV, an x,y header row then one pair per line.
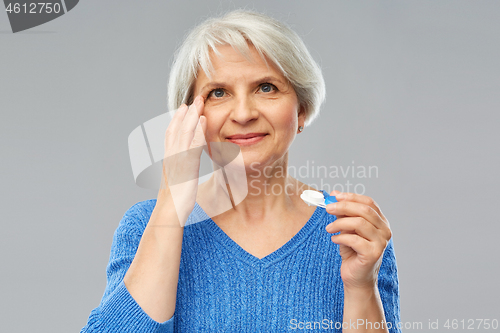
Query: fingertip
x,y
197,105
340,195
198,101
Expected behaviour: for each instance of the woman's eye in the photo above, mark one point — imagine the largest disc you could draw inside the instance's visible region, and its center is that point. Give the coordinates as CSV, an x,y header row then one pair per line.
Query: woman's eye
x,y
267,87
217,93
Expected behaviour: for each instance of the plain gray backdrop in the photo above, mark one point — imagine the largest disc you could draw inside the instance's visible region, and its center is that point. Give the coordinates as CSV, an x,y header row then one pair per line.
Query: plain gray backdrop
x,y
412,88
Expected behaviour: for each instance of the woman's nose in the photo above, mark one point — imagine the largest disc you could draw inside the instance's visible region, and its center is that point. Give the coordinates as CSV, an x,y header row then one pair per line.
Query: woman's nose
x,y
244,110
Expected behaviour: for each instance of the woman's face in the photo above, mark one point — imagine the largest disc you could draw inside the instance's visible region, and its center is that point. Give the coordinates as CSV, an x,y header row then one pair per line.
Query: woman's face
x,y
246,97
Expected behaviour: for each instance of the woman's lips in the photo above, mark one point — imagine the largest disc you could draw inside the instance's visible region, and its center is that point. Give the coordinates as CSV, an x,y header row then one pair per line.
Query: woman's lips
x,y
249,141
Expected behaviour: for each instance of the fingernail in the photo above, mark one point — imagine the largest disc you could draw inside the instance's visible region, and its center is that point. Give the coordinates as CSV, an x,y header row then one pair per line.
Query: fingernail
x,y
340,196
332,207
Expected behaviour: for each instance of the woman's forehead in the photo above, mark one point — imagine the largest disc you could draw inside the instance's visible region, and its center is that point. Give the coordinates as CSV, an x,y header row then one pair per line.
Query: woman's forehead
x,y
230,63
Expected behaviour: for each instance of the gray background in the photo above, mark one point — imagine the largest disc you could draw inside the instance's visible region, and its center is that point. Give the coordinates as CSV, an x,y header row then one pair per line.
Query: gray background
x,y
412,88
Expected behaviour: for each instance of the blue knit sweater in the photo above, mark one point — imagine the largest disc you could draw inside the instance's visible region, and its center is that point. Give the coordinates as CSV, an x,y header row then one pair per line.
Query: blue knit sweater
x,y
223,288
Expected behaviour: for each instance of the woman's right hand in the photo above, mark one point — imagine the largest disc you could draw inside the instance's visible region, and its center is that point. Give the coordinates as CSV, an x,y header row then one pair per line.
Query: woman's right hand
x,y
184,143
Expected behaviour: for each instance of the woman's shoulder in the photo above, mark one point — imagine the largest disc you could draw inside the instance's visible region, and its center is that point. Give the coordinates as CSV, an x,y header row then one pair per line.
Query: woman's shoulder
x,y
138,215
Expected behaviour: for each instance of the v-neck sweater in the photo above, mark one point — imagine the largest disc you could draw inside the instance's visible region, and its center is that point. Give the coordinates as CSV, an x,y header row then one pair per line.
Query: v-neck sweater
x,y
223,288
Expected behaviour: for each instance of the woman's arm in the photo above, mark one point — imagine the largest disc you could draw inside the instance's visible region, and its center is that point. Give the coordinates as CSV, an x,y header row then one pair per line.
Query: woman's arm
x,y
118,311
364,236
146,267
154,272
153,275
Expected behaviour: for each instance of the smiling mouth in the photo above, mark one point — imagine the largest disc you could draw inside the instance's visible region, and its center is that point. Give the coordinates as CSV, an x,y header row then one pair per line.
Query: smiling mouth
x,y
247,140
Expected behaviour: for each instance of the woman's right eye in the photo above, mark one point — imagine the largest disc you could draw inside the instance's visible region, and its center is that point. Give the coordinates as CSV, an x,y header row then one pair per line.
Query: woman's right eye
x,y
217,93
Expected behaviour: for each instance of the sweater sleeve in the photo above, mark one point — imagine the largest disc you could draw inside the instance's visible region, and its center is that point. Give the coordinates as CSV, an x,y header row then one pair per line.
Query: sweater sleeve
x,y
118,311
388,285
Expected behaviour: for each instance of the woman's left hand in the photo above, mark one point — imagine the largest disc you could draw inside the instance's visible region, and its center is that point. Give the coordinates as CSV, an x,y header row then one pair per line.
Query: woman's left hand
x,y
364,235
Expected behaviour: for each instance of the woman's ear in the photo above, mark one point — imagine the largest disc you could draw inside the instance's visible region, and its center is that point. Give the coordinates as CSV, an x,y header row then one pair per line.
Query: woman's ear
x,y
302,115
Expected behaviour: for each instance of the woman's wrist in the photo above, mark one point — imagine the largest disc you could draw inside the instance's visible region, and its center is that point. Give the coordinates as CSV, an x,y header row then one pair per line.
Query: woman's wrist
x,y
364,305
167,213
361,292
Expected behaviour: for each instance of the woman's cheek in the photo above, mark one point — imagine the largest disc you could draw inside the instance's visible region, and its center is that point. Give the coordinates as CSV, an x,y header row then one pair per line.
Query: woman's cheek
x,y
213,130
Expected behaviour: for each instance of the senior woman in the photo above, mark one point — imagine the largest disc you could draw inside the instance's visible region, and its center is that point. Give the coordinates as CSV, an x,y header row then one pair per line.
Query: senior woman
x,y
198,260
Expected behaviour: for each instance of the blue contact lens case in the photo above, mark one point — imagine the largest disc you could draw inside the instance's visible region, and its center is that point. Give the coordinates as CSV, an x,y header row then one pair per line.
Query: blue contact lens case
x,y
329,198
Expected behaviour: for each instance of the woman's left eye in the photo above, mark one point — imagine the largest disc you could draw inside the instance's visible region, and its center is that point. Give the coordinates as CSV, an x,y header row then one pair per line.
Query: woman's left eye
x,y
267,87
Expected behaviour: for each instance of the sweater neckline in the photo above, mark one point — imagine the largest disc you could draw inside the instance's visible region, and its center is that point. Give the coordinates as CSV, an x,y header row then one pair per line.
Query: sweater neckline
x,y
221,237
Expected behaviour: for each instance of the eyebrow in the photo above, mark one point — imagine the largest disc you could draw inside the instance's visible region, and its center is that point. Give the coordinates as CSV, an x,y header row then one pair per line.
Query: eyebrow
x,y
212,85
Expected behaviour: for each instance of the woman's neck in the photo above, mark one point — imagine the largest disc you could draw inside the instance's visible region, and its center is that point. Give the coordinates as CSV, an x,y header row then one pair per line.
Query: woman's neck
x,y
254,195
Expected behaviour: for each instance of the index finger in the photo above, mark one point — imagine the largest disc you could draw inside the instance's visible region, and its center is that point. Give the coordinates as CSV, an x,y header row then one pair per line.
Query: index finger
x,y
200,110
364,199
191,124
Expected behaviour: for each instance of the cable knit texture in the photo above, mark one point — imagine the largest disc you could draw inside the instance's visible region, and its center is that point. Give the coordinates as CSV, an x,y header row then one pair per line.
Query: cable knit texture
x,y
223,288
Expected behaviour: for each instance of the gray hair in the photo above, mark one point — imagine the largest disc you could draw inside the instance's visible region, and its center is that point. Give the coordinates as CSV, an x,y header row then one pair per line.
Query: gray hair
x,y
270,38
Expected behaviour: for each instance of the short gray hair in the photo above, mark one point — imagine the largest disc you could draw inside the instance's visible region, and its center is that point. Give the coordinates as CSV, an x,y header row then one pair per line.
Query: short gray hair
x,y
270,37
